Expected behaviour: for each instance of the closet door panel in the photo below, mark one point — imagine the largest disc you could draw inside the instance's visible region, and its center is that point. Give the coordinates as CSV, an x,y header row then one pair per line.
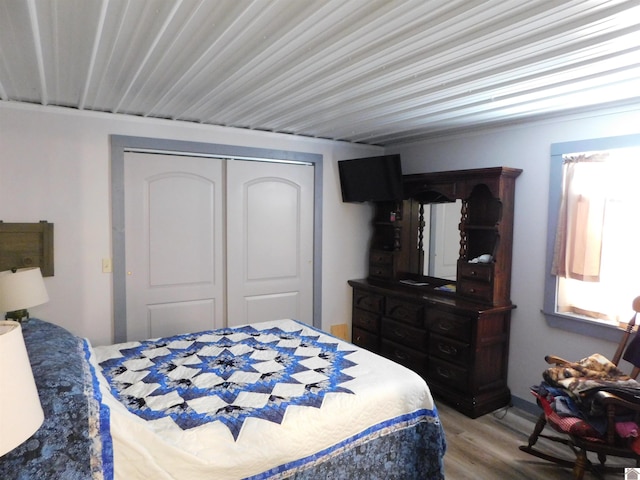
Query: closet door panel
x,y
174,244
269,242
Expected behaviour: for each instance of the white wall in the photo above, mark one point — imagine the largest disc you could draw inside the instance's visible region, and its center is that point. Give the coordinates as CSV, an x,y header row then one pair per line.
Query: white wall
x,y
527,146
55,166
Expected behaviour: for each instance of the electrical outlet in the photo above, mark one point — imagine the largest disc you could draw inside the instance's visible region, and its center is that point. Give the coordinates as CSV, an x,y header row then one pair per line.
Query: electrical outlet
x,y
106,265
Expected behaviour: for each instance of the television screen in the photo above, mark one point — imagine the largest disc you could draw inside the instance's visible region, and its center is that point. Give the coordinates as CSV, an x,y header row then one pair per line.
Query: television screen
x,y
375,179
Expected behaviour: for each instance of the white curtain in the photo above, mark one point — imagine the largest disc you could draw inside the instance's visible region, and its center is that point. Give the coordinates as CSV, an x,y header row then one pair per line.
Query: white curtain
x,y
596,253
578,247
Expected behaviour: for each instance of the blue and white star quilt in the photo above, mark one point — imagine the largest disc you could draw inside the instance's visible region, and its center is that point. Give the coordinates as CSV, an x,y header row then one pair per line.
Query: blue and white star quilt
x,y
258,401
226,375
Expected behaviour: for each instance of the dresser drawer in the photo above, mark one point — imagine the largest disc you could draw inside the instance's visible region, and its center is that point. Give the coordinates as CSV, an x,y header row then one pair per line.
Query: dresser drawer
x,y
368,301
477,290
449,349
404,334
380,257
365,339
408,357
476,271
412,313
448,373
367,320
383,271
449,324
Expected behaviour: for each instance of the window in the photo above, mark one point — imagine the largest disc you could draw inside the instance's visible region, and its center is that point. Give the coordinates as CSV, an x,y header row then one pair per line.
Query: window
x,y
593,257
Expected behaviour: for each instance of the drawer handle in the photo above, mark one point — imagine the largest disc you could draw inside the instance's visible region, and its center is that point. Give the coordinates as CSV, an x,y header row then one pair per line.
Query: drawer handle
x,y
358,338
473,273
399,356
448,349
445,326
443,372
399,312
398,333
472,290
368,304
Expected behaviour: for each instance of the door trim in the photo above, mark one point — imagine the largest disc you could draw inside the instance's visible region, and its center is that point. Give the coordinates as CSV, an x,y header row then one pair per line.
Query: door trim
x,y
123,143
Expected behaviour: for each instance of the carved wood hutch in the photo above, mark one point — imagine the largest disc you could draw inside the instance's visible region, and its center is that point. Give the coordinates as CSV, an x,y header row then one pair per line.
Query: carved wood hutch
x,y
455,334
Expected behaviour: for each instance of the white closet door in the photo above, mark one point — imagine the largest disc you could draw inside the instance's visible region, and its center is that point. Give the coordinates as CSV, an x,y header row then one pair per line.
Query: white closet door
x,y
269,241
174,244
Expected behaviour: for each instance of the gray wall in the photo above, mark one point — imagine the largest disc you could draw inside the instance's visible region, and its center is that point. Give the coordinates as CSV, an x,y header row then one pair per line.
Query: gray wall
x,y
55,166
526,146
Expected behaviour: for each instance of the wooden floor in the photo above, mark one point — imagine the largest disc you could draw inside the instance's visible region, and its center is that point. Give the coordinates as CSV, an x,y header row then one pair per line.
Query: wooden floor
x,y
487,448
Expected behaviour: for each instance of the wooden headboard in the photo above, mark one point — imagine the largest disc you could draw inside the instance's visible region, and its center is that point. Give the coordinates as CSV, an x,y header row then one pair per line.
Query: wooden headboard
x,y
27,245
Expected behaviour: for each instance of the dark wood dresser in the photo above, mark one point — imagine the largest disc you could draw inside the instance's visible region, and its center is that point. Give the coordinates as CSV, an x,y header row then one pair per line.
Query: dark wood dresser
x,y
461,348
457,340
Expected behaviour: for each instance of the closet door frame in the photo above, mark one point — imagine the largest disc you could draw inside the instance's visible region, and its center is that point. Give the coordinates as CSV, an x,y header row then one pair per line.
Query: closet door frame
x,y
122,143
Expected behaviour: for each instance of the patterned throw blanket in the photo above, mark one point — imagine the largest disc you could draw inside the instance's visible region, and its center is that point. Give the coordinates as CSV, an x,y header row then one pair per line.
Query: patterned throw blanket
x,y
591,374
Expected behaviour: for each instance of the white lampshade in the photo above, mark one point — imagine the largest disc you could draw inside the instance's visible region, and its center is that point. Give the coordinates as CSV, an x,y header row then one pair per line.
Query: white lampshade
x,y
20,410
22,289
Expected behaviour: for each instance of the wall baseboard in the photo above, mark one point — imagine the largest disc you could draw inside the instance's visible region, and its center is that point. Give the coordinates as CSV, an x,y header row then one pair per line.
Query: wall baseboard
x,y
525,405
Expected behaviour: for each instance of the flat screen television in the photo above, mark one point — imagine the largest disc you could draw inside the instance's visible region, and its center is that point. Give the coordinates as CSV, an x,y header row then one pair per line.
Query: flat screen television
x,y
371,179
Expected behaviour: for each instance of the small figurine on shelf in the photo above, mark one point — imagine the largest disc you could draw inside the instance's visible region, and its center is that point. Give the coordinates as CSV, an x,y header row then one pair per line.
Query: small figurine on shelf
x,y
485,258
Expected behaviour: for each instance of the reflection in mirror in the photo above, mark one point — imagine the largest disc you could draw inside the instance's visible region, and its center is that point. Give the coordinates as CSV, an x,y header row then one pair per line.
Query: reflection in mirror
x,y
441,243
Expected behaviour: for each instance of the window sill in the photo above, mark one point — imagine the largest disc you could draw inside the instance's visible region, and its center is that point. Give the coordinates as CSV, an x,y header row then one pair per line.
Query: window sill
x,y
584,326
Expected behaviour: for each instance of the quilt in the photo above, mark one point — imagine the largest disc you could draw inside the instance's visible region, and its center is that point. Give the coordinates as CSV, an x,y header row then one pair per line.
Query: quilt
x,y
226,376
260,401
264,401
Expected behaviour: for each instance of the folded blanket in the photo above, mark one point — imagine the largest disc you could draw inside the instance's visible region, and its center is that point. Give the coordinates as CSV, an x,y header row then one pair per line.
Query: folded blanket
x,y
590,374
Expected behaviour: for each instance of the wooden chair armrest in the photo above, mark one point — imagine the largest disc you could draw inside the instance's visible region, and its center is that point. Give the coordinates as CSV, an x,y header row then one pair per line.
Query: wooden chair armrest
x,y
613,405
555,360
608,398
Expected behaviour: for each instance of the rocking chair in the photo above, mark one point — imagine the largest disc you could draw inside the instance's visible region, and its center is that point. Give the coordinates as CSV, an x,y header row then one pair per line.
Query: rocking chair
x,y
619,432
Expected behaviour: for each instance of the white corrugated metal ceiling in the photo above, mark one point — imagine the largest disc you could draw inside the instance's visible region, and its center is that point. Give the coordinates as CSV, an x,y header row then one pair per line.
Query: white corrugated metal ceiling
x,y
382,72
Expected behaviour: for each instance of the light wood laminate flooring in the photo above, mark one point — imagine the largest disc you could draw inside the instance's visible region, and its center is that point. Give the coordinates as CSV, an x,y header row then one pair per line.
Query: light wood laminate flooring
x,y
487,448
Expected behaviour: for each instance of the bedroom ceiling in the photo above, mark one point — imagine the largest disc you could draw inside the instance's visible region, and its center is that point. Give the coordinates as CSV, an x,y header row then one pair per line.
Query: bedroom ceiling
x,y
381,72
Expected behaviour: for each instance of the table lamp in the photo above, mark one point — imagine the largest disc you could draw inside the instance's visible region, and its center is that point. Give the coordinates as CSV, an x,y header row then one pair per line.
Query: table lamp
x,y
21,413
21,289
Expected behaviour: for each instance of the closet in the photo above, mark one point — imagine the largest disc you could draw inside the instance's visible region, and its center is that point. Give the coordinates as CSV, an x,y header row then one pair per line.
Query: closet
x,y
214,242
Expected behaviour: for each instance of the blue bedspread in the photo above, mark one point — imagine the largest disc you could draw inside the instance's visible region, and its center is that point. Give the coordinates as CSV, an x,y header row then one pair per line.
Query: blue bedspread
x,y
73,442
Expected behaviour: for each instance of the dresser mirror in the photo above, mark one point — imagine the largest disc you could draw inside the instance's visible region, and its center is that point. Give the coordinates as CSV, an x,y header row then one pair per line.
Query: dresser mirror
x,y
442,240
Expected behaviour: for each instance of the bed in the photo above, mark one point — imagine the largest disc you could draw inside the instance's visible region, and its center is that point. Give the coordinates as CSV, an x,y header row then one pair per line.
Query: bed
x,y
265,401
